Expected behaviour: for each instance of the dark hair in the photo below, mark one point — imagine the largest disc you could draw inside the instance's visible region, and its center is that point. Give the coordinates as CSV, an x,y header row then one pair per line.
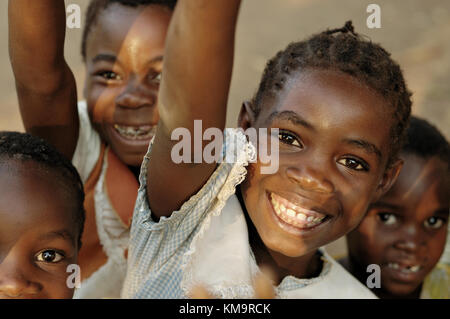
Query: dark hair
x,y
424,140
97,6
25,147
343,50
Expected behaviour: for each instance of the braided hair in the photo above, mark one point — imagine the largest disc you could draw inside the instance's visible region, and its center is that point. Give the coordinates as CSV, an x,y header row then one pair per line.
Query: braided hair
x,y
97,6
25,147
346,51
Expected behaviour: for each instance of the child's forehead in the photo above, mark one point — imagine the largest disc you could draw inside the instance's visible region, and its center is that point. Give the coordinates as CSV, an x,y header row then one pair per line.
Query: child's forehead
x,y
422,186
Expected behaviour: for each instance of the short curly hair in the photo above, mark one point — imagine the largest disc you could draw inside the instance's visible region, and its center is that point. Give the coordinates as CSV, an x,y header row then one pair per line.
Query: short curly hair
x,y
25,147
345,51
424,140
97,6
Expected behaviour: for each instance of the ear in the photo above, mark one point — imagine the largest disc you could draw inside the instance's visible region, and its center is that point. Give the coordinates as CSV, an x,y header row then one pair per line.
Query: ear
x,y
246,117
389,178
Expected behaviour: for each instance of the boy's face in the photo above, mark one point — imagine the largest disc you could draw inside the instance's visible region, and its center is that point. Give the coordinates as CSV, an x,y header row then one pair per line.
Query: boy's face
x,y
124,61
334,146
38,235
405,231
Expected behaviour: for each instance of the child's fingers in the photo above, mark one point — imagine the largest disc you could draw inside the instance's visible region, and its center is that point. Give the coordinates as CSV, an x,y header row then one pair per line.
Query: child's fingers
x,y
263,284
200,292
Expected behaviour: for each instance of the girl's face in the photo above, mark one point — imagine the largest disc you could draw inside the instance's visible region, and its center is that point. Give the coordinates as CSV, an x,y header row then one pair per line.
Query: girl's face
x,y
334,146
405,231
38,235
124,61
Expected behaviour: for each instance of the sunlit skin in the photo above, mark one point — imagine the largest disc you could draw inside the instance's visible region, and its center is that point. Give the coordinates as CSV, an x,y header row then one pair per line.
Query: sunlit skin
x,y
38,235
124,61
407,226
334,147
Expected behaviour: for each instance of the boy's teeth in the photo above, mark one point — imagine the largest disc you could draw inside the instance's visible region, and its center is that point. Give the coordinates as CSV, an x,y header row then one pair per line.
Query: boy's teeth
x,y
295,215
135,132
407,269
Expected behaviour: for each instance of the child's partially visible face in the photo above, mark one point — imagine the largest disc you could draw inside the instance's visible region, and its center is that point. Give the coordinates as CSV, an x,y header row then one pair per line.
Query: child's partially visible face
x,y
124,59
38,235
405,231
334,146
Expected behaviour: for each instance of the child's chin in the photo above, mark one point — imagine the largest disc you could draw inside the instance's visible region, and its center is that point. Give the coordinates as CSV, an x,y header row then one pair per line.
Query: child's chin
x,y
401,290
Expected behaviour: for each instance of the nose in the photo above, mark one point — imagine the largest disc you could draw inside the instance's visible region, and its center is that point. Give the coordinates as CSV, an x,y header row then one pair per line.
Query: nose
x,y
14,284
310,178
137,94
411,240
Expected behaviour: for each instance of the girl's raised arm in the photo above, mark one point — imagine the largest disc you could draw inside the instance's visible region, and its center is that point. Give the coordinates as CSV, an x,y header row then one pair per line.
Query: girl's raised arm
x,y
195,83
45,84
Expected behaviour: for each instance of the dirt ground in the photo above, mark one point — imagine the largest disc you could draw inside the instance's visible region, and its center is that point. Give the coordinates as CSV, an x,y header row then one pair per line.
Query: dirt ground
x,y
416,32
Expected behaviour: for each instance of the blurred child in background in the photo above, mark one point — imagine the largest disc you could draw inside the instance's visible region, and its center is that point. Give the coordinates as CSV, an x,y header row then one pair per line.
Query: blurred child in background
x,y
405,231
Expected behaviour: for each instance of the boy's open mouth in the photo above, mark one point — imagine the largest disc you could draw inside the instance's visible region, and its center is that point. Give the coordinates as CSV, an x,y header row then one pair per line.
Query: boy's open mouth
x,y
142,132
404,269
294,215
403,272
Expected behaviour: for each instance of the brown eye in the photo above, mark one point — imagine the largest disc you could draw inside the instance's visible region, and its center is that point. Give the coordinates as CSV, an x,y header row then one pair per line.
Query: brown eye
x,y
109,75
434,222
354,164
289,139
49,256
387,218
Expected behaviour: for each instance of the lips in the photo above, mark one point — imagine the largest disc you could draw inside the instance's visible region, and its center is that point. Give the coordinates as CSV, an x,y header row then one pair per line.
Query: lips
x,y
404,272
133,133
295,215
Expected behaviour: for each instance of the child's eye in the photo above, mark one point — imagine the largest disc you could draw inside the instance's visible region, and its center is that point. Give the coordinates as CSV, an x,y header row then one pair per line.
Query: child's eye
x,y
289,138
109,75
434,222
387,218
354,164
156,78
49,256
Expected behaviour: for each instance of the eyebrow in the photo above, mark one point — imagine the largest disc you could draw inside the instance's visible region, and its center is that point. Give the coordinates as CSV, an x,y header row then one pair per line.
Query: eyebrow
x,y
63,234
292,117
384,205
113,59
104,57
366,146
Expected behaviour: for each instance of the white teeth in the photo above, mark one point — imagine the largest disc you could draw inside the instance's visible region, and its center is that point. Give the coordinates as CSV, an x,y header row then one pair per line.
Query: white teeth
x,y
394,265
291,214
134,133
407,269
414,268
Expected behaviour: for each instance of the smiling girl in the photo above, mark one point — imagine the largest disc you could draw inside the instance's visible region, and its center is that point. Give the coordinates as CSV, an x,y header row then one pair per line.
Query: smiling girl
x,y
107,135
341,107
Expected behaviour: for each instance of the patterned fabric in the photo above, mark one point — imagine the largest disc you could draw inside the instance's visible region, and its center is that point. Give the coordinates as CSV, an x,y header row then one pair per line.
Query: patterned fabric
x,y
206,241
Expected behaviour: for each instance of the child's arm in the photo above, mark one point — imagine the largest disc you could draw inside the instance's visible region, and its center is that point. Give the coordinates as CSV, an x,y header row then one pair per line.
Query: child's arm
x,y
195,83
45,85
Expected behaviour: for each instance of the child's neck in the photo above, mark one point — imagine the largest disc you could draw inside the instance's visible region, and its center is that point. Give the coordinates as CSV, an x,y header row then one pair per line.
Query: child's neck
x,y
306,266
135,170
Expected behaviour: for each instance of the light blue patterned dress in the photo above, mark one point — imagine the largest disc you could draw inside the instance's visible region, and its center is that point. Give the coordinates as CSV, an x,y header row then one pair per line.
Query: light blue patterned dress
x,y
206,242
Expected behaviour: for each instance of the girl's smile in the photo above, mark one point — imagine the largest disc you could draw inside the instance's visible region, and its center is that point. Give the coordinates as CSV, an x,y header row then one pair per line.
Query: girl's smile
x,y
334,147
124,59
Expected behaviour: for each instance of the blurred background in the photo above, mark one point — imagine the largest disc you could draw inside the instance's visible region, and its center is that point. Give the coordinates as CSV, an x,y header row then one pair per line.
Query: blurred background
x,y
416,32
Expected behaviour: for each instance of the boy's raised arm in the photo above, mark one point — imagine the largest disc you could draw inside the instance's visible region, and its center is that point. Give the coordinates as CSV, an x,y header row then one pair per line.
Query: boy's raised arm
x,y
45,84
195,83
